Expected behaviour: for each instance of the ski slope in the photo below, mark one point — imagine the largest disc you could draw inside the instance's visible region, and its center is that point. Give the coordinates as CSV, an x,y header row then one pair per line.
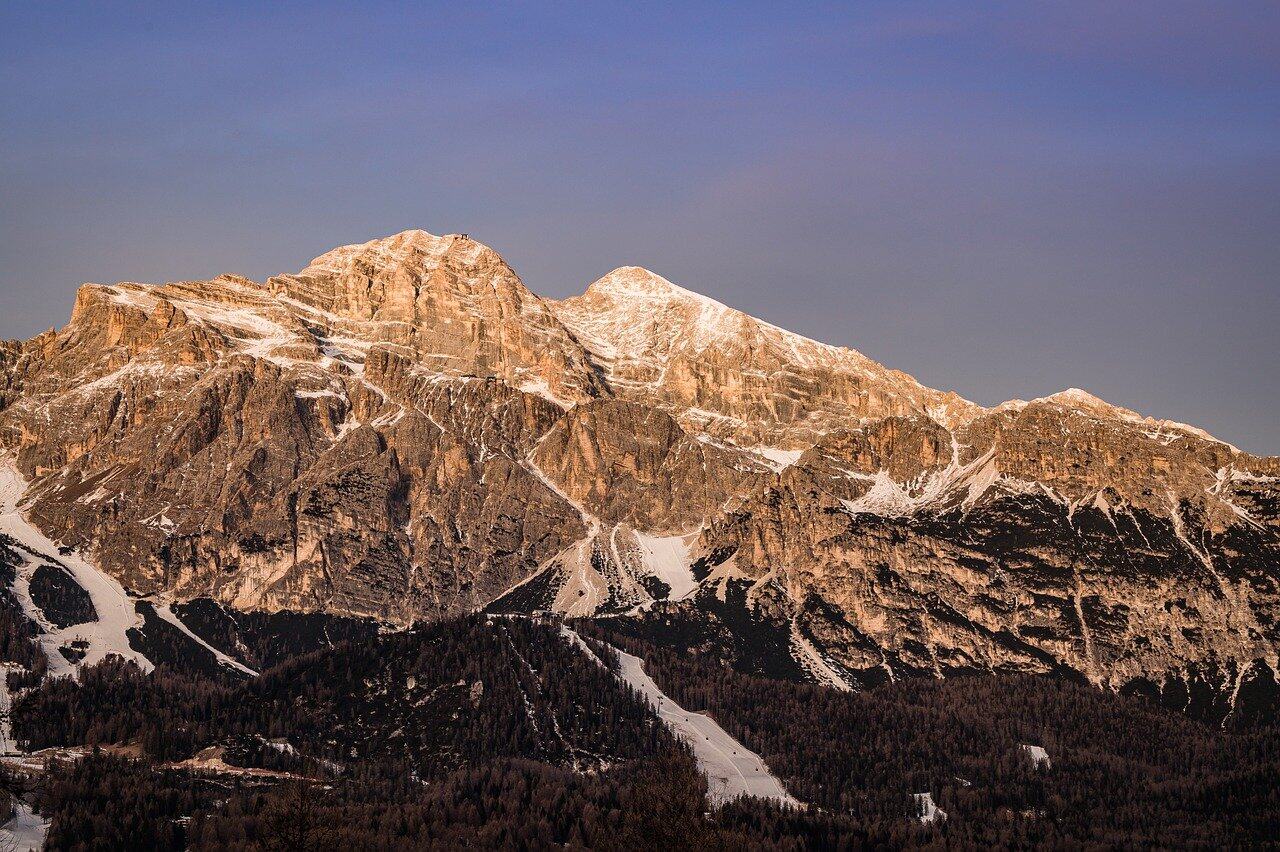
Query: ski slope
x,y
26,831
926,810
116,612
731,769
164,612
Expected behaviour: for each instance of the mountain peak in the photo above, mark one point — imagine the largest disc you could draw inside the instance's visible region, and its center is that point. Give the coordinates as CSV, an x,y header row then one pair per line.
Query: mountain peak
x,y
406,432
636,282
397,249
1076,396
660,343
1082,402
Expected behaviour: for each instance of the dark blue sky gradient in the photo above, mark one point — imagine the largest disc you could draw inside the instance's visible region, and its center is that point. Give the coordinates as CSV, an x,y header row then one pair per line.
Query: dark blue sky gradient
x,y
1005,199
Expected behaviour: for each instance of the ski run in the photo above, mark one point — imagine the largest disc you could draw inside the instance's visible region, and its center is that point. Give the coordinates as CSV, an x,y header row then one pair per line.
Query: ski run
x,y
116,612
731,769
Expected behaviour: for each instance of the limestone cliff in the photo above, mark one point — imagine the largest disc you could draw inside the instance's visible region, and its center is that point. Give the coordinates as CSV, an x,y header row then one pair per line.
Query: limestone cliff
x,y
404,430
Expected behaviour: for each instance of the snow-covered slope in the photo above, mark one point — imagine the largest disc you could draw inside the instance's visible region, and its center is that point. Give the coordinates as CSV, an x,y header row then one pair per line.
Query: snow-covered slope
x,y
25,832
116,612
667,558
7,744
732,770
926,810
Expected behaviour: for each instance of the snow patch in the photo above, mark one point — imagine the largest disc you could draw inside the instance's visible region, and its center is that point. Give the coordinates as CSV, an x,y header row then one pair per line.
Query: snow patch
x,y
812,660
926,811
26,831
667,558
7,745
890,498
777,459
538,386
1039,757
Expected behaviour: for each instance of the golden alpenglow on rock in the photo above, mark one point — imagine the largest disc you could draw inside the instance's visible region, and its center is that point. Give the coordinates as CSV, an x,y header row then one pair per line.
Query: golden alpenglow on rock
x,y
404,431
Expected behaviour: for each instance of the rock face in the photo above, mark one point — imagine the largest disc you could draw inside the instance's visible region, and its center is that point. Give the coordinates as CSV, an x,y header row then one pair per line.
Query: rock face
x,y
725,374
403,430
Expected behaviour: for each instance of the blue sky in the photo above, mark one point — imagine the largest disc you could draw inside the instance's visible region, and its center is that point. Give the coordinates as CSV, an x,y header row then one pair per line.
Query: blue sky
x,y
1001,198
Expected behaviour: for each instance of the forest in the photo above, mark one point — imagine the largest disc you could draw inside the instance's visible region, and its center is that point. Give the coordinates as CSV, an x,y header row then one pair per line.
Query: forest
x,y
1122,771
494,732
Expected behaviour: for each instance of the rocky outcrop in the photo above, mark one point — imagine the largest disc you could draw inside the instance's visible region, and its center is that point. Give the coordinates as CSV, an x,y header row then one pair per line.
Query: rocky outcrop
x,y
451,302
403,430
628,464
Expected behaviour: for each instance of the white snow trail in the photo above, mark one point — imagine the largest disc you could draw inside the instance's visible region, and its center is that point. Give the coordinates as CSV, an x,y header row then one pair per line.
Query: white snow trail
x,y
926,811
584,590
26,831
164,612
814,662
7,745
731,769
116,612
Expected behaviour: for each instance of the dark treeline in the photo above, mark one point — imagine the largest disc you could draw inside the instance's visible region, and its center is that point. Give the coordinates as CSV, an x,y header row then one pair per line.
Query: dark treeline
x,y
493,734
1123,772
17,632
654,802
496,733
440,697
261,640
60,597
171,714
110,802
164,644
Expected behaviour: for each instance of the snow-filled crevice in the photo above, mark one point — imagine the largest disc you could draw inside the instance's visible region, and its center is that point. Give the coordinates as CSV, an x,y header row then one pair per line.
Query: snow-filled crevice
x,y
584,589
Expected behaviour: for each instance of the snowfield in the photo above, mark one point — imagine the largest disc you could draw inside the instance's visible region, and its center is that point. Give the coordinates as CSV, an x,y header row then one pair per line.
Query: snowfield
x,y
668,559
731,769
926,811
116,612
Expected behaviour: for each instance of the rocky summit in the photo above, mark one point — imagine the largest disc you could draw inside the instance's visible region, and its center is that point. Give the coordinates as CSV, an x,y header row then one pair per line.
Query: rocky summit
x,y
402,430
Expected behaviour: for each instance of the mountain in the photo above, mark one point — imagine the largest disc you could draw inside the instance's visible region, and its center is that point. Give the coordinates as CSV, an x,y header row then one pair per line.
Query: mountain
x,y
727,375
403,431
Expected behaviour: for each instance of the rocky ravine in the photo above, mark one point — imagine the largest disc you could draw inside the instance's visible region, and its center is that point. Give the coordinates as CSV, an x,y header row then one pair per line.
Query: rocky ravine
x,y
403,430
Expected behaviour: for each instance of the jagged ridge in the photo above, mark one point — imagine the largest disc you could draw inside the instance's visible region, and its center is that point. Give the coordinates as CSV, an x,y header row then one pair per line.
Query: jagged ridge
x,y
403,430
